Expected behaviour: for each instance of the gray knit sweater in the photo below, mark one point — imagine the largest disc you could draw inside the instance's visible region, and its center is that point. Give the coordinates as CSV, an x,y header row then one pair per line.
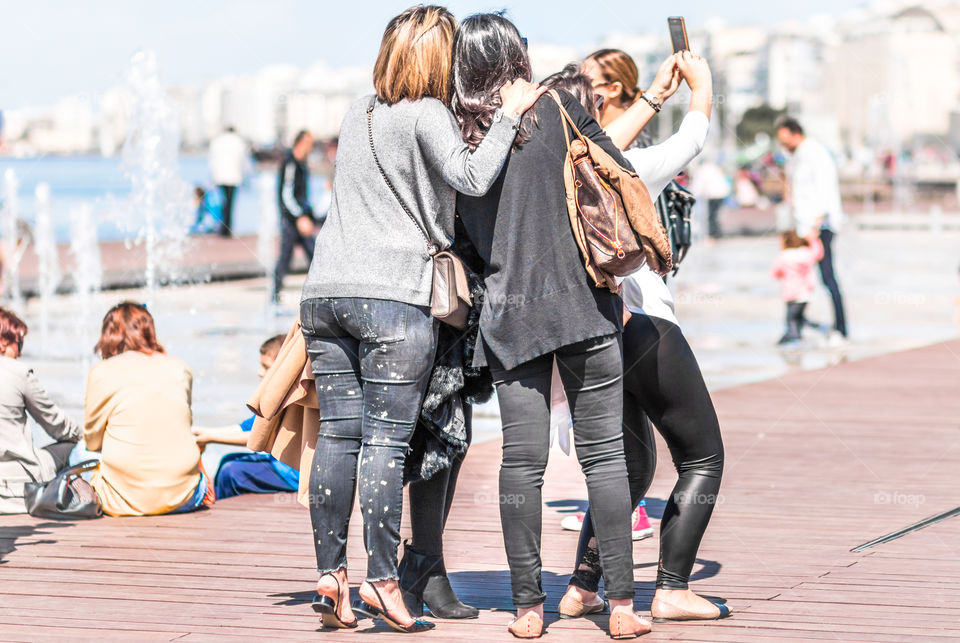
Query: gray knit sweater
x,y
368,246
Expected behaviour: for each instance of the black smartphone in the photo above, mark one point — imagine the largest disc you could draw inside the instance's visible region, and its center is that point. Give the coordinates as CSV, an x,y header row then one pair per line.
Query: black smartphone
x,y
678,34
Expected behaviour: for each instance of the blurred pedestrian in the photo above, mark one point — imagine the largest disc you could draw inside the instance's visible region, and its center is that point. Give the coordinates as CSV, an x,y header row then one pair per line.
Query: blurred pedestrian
x,y
814,193
710,183
297,223
794,268
228,159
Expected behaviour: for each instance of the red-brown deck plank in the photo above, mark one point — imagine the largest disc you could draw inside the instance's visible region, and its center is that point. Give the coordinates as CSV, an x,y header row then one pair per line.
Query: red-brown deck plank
x,y
816,463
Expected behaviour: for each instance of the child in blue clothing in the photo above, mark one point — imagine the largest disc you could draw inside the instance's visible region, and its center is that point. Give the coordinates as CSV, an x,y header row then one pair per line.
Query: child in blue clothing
x,y
249,472
209,212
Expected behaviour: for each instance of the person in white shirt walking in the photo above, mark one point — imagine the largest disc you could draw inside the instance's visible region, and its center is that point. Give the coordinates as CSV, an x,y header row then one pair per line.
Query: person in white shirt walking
x,y
228,160
813,191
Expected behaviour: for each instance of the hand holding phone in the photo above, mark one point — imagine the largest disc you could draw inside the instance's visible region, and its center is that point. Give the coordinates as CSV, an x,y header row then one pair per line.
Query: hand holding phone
x,y
678,34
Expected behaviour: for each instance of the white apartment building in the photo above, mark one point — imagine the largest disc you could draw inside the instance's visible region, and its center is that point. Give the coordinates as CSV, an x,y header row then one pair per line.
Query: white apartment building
x,y
895,76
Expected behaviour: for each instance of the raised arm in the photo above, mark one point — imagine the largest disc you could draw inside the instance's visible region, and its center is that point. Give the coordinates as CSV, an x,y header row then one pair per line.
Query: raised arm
x,y
625,129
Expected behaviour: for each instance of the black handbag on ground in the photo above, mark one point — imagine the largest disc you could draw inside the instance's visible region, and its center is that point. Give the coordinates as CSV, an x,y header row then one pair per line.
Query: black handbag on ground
x,y
66,497
675,205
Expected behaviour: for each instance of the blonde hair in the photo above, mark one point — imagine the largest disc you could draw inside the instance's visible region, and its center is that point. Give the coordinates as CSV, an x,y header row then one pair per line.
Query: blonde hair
x,y
618,67
414,58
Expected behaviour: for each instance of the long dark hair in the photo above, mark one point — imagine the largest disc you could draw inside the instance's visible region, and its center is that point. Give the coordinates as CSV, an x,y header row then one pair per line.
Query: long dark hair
x,y
488,51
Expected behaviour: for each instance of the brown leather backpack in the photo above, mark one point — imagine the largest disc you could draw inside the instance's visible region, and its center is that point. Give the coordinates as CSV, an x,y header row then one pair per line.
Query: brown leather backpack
x,y
614,221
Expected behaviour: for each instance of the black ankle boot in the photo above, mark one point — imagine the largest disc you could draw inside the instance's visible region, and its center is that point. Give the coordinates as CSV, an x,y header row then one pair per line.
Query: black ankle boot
x,y
423,579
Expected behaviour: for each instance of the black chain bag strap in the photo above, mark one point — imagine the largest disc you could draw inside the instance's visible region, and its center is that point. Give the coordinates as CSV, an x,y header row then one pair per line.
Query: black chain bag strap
x,y
450,298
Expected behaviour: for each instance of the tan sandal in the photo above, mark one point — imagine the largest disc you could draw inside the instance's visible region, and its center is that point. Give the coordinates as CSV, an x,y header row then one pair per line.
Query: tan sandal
x,y
528,626
571,607
628,626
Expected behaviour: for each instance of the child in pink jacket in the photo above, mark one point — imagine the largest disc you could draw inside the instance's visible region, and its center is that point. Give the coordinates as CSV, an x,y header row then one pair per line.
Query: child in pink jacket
x,y
794,268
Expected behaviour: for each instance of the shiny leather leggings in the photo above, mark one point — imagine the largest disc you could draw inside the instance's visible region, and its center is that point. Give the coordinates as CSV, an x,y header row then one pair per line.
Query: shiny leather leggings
x,y
663,381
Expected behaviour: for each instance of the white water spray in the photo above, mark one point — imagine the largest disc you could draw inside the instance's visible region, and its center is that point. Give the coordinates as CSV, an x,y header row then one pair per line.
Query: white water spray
x,y
48,263
159,199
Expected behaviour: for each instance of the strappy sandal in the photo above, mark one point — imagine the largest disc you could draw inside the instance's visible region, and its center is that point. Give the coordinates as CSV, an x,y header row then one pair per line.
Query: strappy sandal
x,y
375,611
328,608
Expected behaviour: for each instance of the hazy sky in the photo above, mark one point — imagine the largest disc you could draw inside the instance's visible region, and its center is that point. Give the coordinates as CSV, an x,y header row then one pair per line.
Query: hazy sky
x,y
51,48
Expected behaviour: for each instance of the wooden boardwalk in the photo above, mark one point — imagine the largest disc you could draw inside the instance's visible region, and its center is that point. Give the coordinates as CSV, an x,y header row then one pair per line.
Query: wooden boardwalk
x,y
817,463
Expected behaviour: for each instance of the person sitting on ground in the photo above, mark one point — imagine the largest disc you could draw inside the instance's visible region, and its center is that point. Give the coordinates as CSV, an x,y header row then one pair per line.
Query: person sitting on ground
x,y
137,414
21,394
209,212
249,472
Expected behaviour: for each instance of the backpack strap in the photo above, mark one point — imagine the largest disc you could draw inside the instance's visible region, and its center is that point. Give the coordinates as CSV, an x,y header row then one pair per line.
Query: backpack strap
x,y
566,119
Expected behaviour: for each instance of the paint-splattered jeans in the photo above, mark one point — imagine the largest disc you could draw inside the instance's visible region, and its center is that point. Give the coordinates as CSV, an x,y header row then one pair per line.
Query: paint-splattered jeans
x,y
371,360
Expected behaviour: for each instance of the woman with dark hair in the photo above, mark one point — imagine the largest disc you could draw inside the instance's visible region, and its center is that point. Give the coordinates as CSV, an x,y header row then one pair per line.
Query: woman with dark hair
x,y
540,305
662,380
21,394
137,414
365,305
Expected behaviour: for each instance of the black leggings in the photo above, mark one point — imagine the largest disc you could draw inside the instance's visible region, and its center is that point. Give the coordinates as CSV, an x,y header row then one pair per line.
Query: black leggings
x,y
430,501
592,378
662,380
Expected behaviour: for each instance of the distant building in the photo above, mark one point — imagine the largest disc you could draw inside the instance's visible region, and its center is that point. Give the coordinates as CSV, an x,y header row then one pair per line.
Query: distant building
x,y
895,76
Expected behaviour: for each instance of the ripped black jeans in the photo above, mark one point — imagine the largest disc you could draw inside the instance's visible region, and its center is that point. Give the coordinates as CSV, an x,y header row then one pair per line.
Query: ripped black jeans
x,y
371,360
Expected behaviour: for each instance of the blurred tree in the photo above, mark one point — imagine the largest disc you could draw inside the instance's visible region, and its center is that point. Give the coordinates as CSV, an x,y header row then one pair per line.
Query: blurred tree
x,y
756,120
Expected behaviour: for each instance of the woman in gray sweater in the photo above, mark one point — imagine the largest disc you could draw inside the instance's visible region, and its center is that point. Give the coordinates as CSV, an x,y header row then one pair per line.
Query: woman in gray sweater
x,y
365,304
21,394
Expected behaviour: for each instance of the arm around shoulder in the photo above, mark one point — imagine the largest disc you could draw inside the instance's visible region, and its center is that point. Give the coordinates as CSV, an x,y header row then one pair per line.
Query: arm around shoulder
x,y
471,172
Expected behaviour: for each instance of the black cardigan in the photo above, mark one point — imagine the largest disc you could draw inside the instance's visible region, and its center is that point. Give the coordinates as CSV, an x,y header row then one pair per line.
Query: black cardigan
x,y
539,297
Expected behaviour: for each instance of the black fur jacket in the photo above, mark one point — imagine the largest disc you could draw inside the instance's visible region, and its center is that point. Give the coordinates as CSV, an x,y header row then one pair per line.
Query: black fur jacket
x,y
441,433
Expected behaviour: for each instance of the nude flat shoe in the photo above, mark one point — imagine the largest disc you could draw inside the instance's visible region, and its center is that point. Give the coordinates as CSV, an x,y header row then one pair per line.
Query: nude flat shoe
x,y
665,613
528,626
628,626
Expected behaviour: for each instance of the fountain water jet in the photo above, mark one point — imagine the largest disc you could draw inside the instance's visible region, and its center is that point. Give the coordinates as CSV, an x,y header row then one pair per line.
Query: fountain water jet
x,y
159,199
13,246
267,231
87,274
48,265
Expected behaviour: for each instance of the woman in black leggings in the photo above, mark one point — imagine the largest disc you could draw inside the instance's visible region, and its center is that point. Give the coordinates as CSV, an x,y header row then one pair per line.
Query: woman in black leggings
x,y
661,377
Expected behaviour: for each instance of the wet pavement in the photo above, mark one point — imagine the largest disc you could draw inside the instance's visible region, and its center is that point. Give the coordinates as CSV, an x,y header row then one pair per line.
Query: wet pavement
x,y
901,291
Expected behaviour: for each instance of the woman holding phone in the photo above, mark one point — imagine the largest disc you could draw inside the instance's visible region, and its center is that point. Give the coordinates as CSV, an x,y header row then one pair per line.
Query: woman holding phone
x,y
662,380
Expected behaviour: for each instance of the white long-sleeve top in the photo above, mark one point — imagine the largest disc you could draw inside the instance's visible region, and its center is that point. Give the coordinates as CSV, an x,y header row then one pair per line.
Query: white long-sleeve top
x,y
814,188
644,292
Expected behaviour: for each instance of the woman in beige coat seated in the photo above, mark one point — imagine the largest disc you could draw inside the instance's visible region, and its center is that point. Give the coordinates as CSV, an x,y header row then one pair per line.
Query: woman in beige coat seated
x,y
21,394
137,414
